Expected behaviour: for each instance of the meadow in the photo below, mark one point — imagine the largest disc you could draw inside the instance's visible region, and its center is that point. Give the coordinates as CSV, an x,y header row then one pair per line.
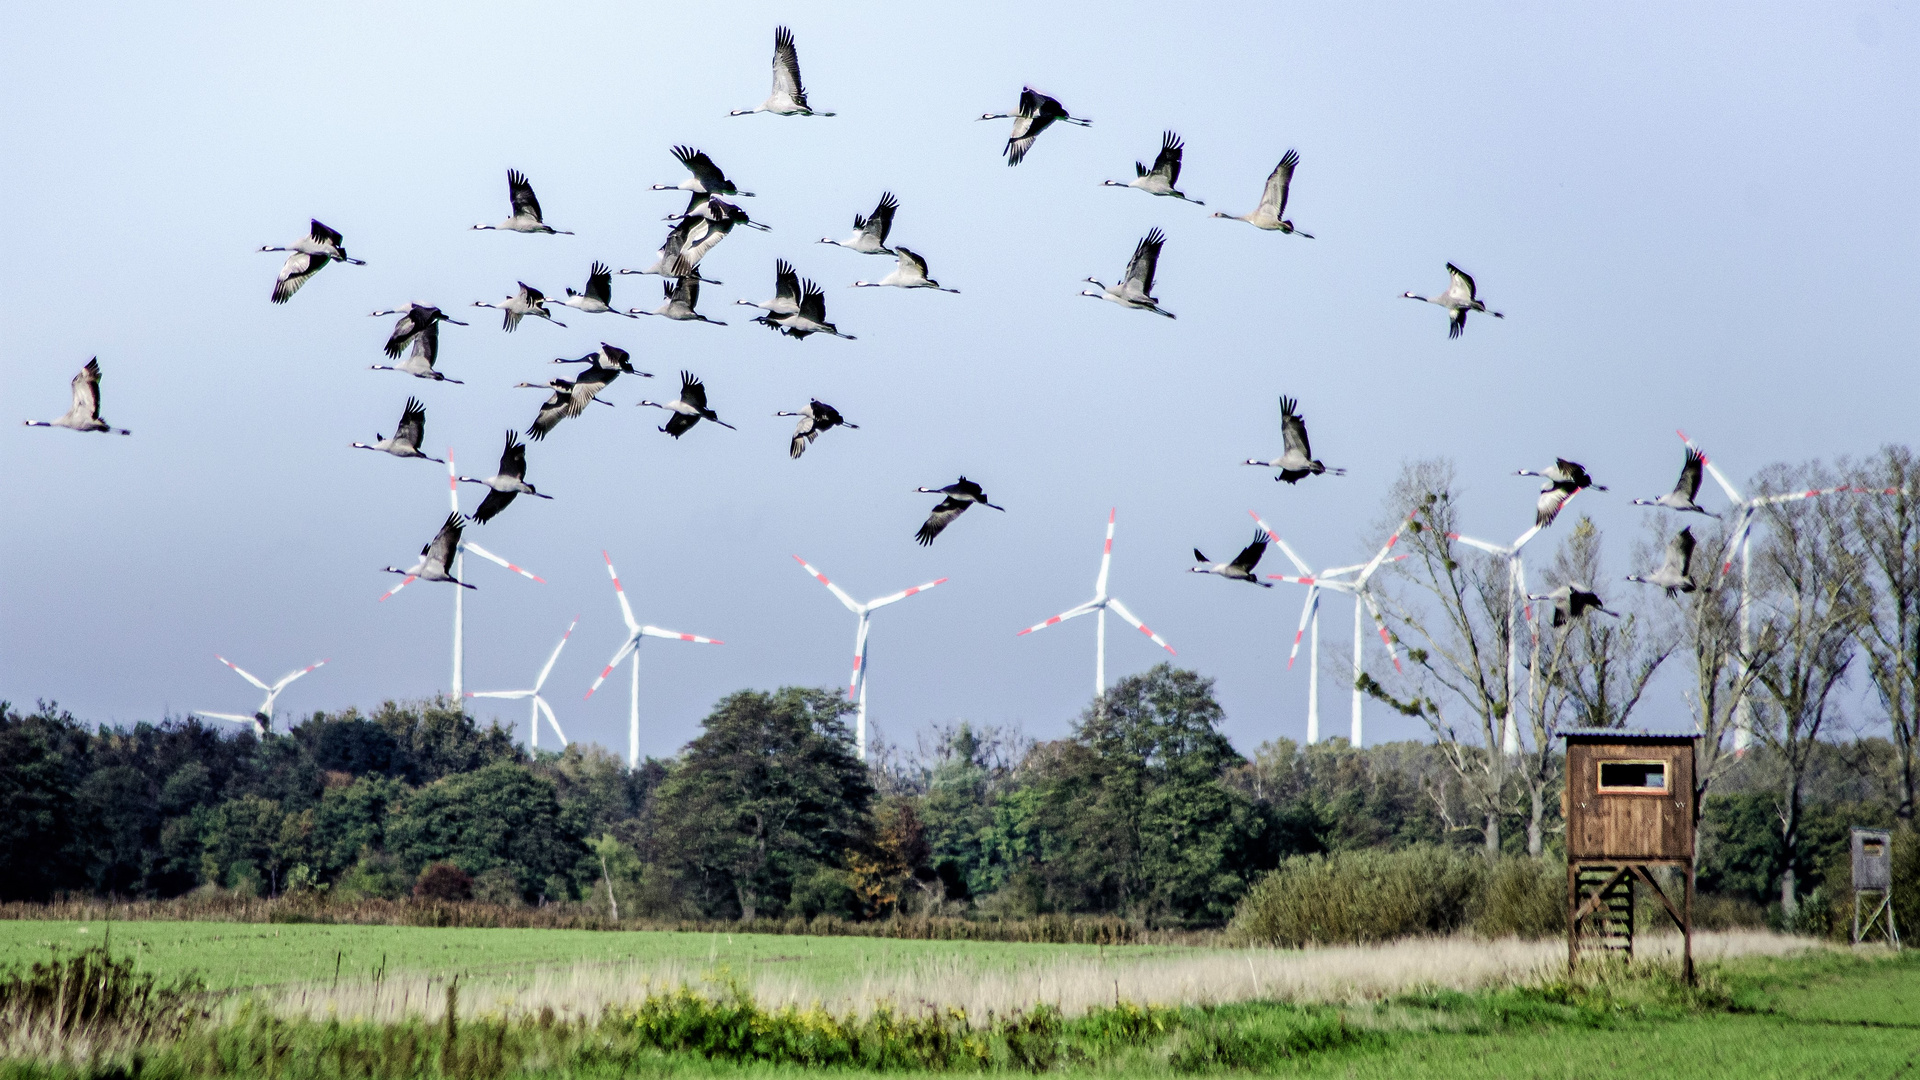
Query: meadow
x,y
540,1003
615,1004
231,956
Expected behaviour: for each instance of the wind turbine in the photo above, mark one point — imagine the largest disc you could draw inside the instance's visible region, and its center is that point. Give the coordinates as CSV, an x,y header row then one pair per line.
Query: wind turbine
x,y
1100,603
459,573
539,703
263,718
1741,540
631,647
1516,589
857,686
1310,621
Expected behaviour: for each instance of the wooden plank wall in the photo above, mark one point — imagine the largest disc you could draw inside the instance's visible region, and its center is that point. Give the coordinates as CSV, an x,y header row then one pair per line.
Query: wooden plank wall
x,y
1629,826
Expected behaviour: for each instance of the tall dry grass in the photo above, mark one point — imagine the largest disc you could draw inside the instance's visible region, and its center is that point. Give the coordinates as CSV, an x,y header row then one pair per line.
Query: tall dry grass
x,y
1343,975
76,1007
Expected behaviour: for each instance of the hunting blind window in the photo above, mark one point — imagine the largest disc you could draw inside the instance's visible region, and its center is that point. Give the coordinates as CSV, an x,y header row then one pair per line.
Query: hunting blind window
x,y
1873,848
1633,777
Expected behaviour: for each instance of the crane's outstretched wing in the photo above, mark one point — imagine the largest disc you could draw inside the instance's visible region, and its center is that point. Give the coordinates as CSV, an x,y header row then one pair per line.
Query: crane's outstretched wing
x,y
600,283
491,506
521,194
1293,430
1689,484
786,68
943,515
1145,262
1249,556
1167,164
1274,198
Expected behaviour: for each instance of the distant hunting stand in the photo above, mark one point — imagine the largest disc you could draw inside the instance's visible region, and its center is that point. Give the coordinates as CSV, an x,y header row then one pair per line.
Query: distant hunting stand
x,y
1629,807
1873,884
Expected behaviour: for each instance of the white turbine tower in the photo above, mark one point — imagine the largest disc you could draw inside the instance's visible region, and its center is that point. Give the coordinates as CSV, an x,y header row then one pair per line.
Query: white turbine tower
x,y
539,703
857,686
1363,602
1100,603
631,647
263,718
1740,540
1516,590
459,572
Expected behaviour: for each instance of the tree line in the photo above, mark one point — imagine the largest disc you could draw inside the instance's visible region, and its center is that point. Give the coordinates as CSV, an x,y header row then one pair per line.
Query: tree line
x,y
1145,810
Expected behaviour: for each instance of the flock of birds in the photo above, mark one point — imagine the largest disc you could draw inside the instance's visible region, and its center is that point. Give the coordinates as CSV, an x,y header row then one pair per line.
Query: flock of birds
x,y
797,310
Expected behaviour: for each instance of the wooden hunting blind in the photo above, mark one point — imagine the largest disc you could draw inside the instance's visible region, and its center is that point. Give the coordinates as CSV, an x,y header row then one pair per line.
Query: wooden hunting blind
x,y
1628,808
1873,885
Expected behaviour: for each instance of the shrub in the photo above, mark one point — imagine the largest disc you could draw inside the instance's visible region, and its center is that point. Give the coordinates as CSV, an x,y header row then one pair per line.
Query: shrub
x,y
443,881
1361,896
497,886
1525,898
376,876
826,891
1715,911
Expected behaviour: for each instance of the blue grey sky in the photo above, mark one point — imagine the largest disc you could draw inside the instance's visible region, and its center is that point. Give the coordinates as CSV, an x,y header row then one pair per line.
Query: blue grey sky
x,y
1694,216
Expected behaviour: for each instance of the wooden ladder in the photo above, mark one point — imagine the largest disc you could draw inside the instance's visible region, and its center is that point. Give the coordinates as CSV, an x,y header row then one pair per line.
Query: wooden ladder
x,y
1609,925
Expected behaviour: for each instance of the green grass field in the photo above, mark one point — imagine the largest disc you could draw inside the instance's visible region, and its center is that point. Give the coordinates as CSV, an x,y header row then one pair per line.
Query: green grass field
x,y
1826,1014
233,956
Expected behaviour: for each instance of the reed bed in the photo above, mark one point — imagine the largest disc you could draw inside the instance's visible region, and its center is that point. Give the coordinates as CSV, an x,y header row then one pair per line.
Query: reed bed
x,y
1349,975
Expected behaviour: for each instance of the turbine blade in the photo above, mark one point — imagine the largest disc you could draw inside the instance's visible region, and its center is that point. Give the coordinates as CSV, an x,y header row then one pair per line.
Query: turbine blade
x,y
404,582
1305,571
1385,548
895,598
545,671
551,721
282,684
1306,613
1120,609
491,557
632,642
859,659
249,677
224,716
1071,613
1718,476
509,695
1740,531
1488,546
675,635
1380,624
1106,559
453,484
626,610
831,587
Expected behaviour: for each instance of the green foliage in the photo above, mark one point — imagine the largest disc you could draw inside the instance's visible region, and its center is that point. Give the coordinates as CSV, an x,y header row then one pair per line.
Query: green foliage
x,y
1135,813
1906,882
376,875
40,758
352,819
1361,896
437,739
1524,898
1258,1038
498,816
963,787
1331,797
769,792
